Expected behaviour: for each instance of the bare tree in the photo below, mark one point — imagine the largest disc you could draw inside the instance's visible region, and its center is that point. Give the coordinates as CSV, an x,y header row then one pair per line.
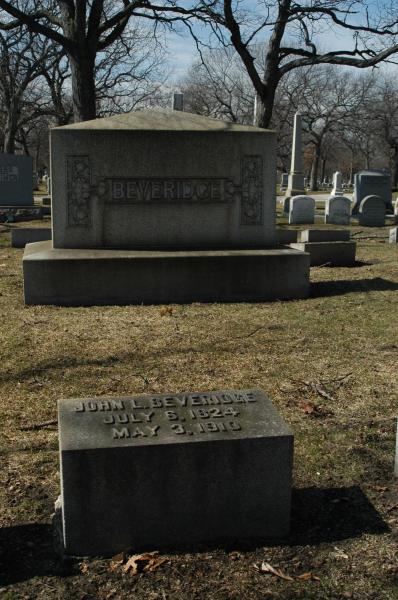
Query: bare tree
x,y
291,30
23,57
217,87
83,29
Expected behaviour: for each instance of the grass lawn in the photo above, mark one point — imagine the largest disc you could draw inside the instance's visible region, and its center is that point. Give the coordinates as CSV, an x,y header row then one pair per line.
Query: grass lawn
x,y
330,365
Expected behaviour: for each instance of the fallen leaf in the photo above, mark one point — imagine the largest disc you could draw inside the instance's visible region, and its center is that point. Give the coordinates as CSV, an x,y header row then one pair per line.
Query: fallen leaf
x,y
116,561
83,567
166,310
143,563
270,570
307,576
235,555
339,553
307,407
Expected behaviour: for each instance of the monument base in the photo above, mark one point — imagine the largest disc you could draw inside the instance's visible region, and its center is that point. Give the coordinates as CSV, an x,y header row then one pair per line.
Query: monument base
x,y
69,277
337,254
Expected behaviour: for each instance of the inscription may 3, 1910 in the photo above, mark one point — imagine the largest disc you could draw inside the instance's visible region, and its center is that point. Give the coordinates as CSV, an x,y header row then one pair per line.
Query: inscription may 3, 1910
x,y
185,414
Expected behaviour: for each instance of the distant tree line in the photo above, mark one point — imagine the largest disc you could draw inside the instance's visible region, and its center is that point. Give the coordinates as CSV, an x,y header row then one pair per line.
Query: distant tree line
x,y
63,60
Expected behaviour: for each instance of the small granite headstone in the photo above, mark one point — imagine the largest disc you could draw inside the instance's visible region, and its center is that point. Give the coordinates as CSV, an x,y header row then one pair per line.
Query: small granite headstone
x,y
16,180
302,210
372,212
171,470
394,235
284,180
338,210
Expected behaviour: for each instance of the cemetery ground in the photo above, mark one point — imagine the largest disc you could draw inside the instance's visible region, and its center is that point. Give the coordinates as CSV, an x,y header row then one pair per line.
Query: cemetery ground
x,y
329,363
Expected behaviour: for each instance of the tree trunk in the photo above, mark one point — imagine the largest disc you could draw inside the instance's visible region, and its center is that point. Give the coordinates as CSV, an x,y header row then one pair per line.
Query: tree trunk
x,y
10,131
315,168
323,170
265,101
394,178
83,87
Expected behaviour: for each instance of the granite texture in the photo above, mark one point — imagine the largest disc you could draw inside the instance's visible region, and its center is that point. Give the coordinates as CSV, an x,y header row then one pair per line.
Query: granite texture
x,y
323,235
98,277
337,254
173,470
16,180
301,210
338,210
27,235
162,179
372,212
372,183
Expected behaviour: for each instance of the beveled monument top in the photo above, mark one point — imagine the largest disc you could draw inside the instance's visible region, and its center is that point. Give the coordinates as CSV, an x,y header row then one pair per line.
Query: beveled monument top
x,y
162,120
111,422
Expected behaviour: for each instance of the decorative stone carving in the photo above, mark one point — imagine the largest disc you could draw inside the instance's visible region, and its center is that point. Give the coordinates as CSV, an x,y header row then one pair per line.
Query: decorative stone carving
x,y
251,191
78,182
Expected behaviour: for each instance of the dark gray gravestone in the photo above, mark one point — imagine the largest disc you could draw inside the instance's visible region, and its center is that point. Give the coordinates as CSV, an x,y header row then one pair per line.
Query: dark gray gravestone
x,y
172,470
16,180
372,212
376,182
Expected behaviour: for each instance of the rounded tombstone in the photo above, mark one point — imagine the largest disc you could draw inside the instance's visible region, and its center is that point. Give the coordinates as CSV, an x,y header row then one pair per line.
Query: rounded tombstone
x,y
301,210
338,210
372,211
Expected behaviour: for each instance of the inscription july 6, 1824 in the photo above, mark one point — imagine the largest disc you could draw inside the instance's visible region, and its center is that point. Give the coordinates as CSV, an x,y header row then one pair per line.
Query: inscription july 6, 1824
x,y
179,415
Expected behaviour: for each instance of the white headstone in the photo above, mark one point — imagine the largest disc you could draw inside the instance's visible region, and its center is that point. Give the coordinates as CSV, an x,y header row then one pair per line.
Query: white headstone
x,y
372,211
296,177
396,210
394,235
338,210
337,189
302,209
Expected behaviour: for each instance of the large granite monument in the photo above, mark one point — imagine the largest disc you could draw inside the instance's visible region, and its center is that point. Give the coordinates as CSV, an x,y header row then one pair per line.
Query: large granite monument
x,y
162,206
171,470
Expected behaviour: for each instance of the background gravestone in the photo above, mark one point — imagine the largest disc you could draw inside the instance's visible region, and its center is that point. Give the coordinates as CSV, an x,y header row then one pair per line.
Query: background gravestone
x,y
337,189
372,212
372,183
393,237
338,210
16,180
302,210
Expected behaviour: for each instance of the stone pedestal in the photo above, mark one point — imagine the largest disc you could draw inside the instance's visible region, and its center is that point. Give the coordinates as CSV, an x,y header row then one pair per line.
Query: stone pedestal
x,y
101,277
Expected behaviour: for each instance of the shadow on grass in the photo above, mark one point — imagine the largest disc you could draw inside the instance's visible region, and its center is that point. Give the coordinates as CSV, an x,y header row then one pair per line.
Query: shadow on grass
x,y
332,514
319,515
26,551
340,287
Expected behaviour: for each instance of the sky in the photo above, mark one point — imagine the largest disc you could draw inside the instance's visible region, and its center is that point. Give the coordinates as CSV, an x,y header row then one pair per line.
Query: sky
x,y
182,49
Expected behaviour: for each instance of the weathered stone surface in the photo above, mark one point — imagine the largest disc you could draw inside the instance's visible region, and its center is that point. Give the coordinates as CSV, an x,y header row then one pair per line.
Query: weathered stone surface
x,y
286,236
337,189
295,184
393,238
338,210
301,210
323,235
27,235
372,212
16,180
15,214
98,277
173,470
372,183
338,254
162,179
284,180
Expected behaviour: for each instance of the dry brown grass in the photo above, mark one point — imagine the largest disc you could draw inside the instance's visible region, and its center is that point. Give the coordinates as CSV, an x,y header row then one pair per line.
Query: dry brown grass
x,y
328,362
